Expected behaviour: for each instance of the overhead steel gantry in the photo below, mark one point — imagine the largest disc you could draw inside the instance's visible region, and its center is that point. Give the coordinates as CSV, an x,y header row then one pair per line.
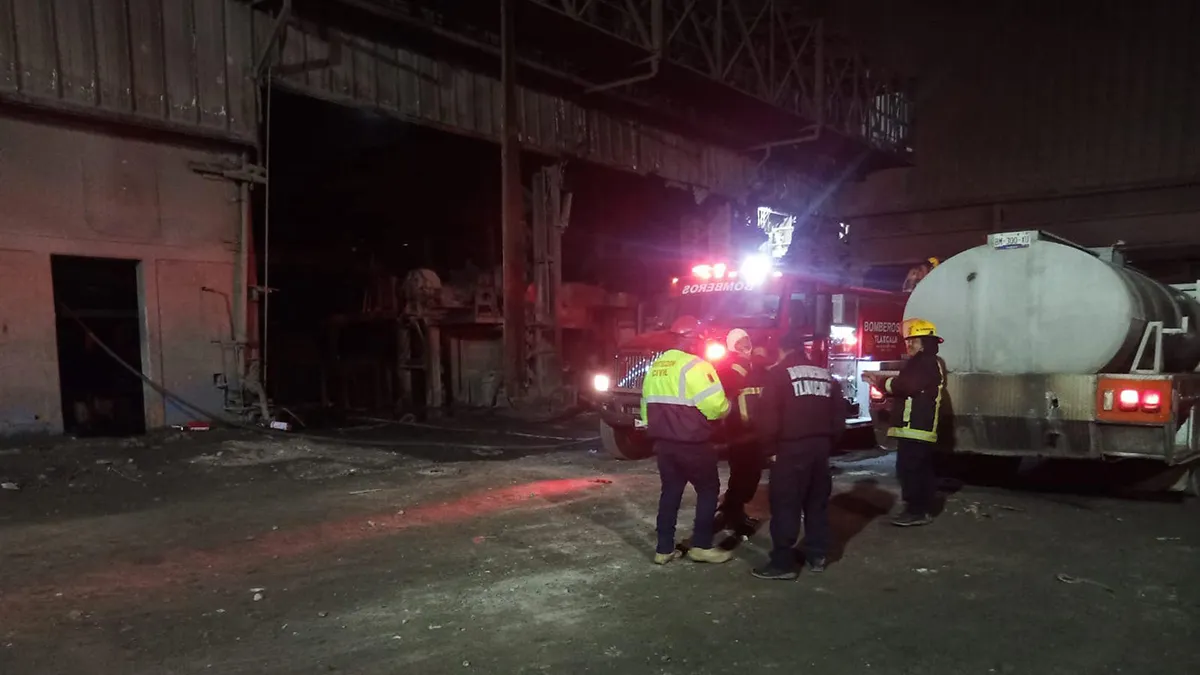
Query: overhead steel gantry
x,y
777,52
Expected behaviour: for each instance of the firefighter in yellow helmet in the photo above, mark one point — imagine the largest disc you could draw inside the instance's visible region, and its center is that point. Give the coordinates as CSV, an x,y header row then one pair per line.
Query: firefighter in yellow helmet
x,y
682,400
918,392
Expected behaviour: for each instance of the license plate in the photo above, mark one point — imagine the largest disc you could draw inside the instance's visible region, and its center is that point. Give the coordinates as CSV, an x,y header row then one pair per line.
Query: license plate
x,y
1006,240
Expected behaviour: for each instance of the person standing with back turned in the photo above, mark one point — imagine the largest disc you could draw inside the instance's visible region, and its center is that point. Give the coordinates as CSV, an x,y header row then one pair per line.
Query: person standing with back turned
x,y
682,399
799,415
917,393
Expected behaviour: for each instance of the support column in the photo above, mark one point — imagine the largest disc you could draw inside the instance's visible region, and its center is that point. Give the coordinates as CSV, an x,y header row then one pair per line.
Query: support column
x,y
512,216
551,213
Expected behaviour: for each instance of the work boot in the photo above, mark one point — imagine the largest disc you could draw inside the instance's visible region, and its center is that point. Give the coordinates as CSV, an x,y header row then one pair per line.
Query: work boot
x,y
664,558
772,573
907,519
709,555
816,565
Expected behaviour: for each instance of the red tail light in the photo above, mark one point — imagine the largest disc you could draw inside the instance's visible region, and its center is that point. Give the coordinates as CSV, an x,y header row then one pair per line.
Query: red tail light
x,y
876,395
1151,401
1134,400
1129,399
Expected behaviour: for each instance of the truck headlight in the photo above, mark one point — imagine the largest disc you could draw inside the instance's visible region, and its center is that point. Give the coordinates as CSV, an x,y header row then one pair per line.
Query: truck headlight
x,y
600,382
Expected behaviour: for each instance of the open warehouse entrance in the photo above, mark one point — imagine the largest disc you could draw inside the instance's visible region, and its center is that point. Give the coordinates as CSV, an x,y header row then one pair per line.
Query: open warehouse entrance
x,y
382,250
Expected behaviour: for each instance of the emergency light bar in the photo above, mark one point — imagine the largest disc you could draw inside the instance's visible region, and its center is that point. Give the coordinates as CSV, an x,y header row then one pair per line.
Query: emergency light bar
x,y
754,270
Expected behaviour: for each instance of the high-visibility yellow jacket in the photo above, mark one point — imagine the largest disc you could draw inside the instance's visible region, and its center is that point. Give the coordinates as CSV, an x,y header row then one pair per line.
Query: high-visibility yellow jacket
x,y
681,396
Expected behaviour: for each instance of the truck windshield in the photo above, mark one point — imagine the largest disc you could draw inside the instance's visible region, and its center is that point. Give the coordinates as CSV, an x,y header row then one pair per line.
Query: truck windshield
x,y
749,310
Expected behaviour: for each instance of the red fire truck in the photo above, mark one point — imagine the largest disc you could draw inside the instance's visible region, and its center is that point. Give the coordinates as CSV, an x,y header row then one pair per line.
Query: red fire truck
x,y
851,330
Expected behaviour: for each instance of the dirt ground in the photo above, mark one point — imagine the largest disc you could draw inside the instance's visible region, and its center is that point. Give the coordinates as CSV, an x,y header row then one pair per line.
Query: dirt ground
x,y
215,552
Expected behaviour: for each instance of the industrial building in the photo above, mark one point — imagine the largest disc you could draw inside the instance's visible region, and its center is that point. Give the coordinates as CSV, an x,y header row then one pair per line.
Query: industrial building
x,y
134,139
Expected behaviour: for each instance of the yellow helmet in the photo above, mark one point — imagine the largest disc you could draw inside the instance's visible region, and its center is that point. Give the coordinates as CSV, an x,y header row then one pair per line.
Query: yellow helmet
x,y
933,262
919,328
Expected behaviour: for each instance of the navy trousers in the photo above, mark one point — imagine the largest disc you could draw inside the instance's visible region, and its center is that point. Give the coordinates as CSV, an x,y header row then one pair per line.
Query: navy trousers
x,y
678,465
800,487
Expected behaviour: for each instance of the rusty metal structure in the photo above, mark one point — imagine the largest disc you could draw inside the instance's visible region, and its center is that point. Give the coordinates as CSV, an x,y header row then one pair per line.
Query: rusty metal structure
x,y
740,99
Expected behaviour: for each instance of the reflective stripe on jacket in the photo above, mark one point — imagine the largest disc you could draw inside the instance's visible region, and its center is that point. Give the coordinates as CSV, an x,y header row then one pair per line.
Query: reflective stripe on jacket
x,y
681,395
918,392
734,372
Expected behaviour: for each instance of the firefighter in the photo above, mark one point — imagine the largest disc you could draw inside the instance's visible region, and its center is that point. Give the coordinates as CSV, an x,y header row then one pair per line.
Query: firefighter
x,y
745,456
682,399
799,415
917,393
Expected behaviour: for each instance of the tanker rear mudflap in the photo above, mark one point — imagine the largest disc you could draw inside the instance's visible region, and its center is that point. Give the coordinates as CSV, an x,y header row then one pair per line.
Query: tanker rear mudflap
x,y
1074,416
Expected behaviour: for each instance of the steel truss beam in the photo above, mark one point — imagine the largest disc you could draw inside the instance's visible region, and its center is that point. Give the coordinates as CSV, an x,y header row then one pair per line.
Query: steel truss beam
x,y
771,50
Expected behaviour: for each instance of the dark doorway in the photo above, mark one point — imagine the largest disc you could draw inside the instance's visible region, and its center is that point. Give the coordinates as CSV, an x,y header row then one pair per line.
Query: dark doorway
x,y
100,397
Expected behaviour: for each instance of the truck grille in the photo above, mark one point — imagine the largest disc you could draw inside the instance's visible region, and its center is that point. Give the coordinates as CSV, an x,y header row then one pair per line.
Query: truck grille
x,y
630,369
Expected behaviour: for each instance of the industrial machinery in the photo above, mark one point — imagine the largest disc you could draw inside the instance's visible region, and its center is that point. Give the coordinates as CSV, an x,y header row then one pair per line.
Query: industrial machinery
x,y
1058,351
850,330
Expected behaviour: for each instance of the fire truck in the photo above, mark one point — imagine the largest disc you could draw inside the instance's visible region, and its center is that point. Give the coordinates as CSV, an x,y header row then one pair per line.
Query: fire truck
x,y
850,331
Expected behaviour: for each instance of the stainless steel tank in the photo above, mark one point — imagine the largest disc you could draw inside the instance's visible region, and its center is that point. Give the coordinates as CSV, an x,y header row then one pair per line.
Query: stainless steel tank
x,y
1050,307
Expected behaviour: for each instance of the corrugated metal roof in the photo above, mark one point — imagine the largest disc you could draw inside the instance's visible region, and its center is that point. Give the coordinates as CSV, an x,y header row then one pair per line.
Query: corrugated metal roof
x,y
182,63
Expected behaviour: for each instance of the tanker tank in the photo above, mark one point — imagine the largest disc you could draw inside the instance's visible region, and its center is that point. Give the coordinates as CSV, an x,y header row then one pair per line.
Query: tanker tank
x,y
1050,307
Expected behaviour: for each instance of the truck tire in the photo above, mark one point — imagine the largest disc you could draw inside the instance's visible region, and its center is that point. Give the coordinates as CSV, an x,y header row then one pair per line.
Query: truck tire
x,y
623,443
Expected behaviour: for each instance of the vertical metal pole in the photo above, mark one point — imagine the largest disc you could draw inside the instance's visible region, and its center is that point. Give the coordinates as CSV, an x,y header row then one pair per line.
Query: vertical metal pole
x,y
241,276
263,350
512,217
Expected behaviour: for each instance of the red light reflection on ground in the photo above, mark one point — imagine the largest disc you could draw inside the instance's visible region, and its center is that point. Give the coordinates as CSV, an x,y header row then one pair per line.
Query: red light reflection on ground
x,y
192,565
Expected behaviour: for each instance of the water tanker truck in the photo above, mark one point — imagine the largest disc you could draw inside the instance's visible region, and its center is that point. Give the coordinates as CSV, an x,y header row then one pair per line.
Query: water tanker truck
x,y
1058,351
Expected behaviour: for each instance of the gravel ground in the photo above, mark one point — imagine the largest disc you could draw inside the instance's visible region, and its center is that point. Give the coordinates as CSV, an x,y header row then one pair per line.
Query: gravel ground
x,y
235,554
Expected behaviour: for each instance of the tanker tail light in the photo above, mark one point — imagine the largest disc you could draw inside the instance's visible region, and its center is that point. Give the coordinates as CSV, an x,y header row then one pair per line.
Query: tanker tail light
x,y
876,395
1130,400
1133,400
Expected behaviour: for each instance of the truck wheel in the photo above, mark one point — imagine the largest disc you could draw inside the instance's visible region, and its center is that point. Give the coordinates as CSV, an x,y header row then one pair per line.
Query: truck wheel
x,y
624,443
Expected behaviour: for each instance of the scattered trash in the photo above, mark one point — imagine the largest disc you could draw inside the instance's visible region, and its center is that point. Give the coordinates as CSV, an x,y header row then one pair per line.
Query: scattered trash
x,y
1068,579
602,481
75,615
280,426
1168,538
322,614
435,471
487,452
10,486
1006,507
366,492
924,570
192,426
258,593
